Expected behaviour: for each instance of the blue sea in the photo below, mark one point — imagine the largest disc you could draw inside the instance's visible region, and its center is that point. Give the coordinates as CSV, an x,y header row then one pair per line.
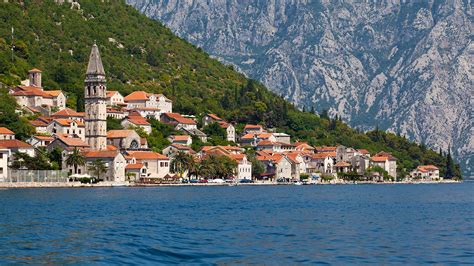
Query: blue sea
x,y
282,225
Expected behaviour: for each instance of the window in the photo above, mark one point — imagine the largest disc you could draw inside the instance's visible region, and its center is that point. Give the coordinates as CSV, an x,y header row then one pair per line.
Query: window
x,y
1,155
1,170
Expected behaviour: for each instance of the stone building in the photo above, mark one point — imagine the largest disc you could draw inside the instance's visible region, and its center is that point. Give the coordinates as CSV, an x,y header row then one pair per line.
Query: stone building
x,y
96,102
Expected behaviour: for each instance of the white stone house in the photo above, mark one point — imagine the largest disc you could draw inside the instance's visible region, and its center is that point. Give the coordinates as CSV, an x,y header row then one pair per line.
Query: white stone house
x,y
174,149
282,137
277,167
211,118
68,127
114,98
40,141
244,166
141,99
6,134
386,161
68,113
155,165
114,161
425,172
137,121
181,139
321,163
229,130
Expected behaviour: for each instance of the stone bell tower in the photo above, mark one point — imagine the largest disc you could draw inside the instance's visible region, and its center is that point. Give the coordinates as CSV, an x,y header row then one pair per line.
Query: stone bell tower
x,y
96,102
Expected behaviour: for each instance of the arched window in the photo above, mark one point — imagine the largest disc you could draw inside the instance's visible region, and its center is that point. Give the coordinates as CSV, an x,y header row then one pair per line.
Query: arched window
x,y
134,144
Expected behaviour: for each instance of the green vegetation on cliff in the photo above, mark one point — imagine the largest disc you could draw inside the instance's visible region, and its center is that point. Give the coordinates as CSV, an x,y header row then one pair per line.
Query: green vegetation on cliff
x,y
141,54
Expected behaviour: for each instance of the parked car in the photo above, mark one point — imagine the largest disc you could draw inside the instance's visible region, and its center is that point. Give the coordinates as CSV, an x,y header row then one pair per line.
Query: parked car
x,y
281,180
217,181
229,180
245,181
203,181
194,181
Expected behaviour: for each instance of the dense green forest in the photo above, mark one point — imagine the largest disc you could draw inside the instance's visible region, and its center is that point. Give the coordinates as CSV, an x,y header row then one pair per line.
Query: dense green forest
x,y
141,54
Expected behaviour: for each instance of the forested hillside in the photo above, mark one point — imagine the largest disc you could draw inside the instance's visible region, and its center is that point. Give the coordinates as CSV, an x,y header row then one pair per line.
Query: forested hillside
x,y
141,54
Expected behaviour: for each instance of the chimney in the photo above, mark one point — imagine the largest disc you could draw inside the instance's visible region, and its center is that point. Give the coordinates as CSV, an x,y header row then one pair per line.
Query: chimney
x,y
34,76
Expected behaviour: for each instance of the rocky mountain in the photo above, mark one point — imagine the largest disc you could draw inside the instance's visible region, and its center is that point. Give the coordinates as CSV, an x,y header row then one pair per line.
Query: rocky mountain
x,y
405,66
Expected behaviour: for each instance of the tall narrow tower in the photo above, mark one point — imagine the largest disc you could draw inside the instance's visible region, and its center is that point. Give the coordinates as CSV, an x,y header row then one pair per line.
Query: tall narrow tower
x,y
95,102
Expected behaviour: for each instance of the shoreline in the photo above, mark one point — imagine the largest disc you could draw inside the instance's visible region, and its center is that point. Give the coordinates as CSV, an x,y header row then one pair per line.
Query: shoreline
x,y
21,185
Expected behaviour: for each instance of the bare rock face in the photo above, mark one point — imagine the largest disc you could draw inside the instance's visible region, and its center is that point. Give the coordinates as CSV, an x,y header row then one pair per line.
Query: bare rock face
x,y
406,66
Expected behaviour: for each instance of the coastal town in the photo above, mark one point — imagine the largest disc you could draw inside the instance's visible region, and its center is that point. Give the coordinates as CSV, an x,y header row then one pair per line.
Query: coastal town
x,y
87,151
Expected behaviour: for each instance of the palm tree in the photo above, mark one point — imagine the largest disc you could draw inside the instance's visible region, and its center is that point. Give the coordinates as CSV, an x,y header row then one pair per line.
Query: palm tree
x,y
75,159
98,167
180,163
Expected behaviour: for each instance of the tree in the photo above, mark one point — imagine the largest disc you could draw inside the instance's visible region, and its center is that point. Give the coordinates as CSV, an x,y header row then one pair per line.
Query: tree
x,y
75,159
450,172
258,168
218,166
181,163
98,167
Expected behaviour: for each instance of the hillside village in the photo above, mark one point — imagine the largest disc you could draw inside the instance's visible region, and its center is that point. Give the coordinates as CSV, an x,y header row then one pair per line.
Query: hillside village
x,y
86,149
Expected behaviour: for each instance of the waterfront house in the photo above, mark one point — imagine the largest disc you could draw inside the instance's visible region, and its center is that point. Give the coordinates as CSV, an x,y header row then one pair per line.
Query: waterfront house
x,y
155,165
298,165
244,166
320,162
277,166
4,156
113,160
7,149
386,161
6,134
425,172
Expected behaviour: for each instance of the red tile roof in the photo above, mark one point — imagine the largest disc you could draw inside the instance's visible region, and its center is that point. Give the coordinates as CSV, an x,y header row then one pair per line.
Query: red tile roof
x,y
67,112
136,96
72,142
257,127
248,136
138,120
379,158
100,154
6,131
180,137
15,144
323,155
34,70
119,134
38,123
44,138
342,164
427,168
180,119
68,122
147,155
215,117
363,151
183,148
134,166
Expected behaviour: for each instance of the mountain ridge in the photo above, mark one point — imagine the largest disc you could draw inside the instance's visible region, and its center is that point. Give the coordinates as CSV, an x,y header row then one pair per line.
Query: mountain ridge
x,y
401,65
155,60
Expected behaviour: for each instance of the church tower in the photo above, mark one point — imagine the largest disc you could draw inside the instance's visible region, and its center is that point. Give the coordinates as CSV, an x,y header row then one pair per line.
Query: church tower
x,y
96,102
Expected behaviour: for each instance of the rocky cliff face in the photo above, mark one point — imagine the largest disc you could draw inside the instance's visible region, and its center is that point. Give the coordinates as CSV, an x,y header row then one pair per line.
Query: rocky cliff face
x,y
406,66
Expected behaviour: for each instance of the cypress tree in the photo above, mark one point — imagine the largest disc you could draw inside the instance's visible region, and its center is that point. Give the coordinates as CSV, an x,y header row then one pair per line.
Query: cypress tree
x,y
449,164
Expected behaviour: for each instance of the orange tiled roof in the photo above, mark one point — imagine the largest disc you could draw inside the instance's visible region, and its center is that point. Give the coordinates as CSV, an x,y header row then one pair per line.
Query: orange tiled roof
x,y
34,70
6,131
14,143
134,166
138,120
326,148
379,158
147,155
215,117
100,154
180,119
293,157
427,168
136,96
72,142
248,126
323,155
120,133
67,122
224,124
248,136
38,123
264,135
44,138
236,157
111,93
180,137
182,147
67,112
363,151
342,164
267,143
386,154
54,93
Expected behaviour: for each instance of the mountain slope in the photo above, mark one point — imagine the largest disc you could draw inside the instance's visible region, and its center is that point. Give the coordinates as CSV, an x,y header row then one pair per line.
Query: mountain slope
x,y
405,66
140,53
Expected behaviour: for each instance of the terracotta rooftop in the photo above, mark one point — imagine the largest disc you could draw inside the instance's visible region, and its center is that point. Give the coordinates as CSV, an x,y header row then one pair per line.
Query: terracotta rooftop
x,y
342,164
136,96
180,119
427,168
67,112
147,155
120,133
215,117
44,138
6,131
34,70
38,123
72,142
100,154
248,136
134,166
248,126
180,137
68,122
15,144
138,120
182,147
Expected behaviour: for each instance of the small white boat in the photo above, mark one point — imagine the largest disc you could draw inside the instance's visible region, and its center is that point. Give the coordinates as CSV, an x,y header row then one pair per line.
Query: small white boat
x,y
298,183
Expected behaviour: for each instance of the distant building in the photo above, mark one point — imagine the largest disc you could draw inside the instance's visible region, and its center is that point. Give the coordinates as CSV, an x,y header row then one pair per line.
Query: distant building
x,y
255,129
126,139
40,141
6,134
211,118
66,126
155,165
181,139
425,172
386,161
34,96
68,113
114,98
137,121
141,99
174,149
